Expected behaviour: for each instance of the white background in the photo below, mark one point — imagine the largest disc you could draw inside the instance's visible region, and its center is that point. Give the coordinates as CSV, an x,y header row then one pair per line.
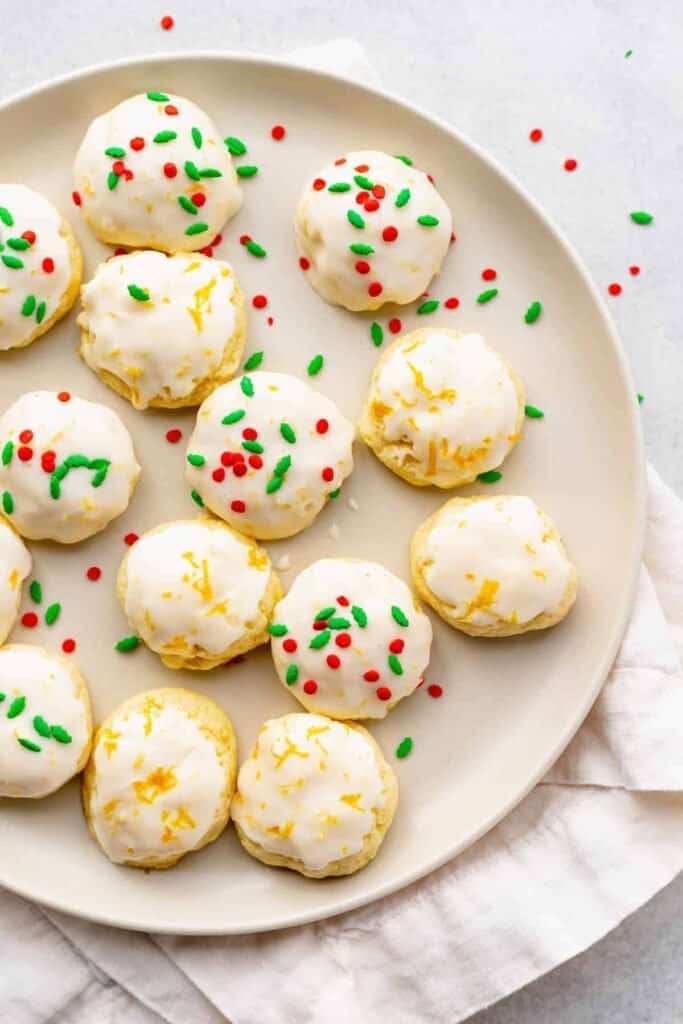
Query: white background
x,y
495,70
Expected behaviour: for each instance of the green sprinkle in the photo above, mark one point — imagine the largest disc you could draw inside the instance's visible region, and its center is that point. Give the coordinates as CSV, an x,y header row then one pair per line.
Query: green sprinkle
x,y
254,360
116,151
334,494
112,180
376,333
29,744
6,217
628,53
427,220
196,460
210,172
235,146
487,295
233,417
197,498
40,312
197,229
403,197
640,397
247,170
126,644
16,707
274,484
76,461
277,629
102,467
2,697
359,615
165,136
355,219
247,386
36,591
320,639
255,249
59,733
282,465
641,217
55,489
197,137
288,433
325,613
41,726
315,365
404,747
361,249
187,204
395,665
399,616
137,293
291,675
340,186
363,182
337,622
191,170
29,306
491,476
406,159
428,307
533,413
533,312
253,446
12,262
158,97
7,503
18,244
7,452
52,613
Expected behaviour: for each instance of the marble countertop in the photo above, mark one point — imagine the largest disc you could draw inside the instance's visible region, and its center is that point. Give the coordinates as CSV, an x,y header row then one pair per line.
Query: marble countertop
x,y
495,71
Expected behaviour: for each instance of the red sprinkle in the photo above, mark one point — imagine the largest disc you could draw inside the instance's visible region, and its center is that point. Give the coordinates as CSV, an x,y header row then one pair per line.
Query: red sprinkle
x,y
26,436
383,692
634,271
362,168
29,619
343,601
244,239
310,686
227,458
217,240
259,301
371,676
167,22
362,197
173,436
120,251
379,191
277,132
25,454
137,143
434,690
327,474
536,134
68,645
290,645
614,289
76,196
130,539
340,161
390,234
249,434
375,289
118,167
489,274
128,175
255,461
170,109
47,461
322,426
333,660
239,469
218,475
319,625
362,267
343,639
270,321
396,646
93,573
304,263
206,251
29,236
199,199
452,302
570,165
395,325
170,170
64,396
48,265
371,205
238,506
319,184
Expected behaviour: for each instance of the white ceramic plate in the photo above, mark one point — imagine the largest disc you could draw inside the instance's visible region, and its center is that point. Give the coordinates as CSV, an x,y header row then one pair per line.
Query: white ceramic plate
x,y
509,706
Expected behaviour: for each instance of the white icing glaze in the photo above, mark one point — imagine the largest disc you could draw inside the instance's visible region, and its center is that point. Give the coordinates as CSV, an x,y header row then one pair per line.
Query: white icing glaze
x,y
144,210
29,211
310,790
342,690
170,344
159,783
15,565
403,266
50,693
278,398
194,587
67,428
495,561
447,403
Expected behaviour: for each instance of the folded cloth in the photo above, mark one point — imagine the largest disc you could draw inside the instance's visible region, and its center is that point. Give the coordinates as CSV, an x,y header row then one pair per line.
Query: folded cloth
x,y
594,841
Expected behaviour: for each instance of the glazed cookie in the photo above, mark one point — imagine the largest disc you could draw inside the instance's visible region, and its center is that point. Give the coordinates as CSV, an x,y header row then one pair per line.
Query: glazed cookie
x,y
350,639
198,593
45,724
163,331
266,454
153,172
40,266
442,408
160,779
67,466
371,229
315,796
493,566
15,565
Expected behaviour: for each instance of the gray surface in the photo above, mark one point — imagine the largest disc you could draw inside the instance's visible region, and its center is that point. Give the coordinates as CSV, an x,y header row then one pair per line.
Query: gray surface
x,y
495,71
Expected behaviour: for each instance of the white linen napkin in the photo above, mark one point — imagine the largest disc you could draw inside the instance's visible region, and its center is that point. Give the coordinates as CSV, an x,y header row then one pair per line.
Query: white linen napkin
x,y
600,836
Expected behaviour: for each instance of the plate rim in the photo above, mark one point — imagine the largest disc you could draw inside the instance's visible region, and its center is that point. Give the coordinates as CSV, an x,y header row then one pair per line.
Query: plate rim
x,y
408,877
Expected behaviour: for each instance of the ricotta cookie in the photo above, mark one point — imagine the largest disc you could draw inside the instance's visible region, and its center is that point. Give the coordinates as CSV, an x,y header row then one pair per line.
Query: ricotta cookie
x,y
163,331
315,796
153,172
493,566
371,229
45,724
350,640
267,453
160,779
67,466
198,593
442,408
15,565
40,266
